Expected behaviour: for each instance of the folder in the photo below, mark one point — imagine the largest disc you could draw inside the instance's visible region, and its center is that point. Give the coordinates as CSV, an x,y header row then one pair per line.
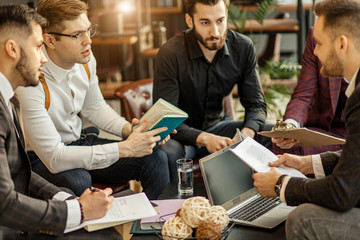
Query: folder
x,y
307,137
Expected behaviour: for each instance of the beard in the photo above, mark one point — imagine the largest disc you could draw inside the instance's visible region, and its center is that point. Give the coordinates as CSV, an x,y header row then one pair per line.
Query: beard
x,y
332,67
28,74
210,46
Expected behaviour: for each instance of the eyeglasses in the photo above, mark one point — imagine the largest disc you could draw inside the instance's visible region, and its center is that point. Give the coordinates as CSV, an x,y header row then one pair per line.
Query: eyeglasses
x,y
80,35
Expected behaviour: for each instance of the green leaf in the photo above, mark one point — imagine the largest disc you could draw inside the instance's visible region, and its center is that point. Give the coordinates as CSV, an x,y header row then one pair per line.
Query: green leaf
x,y
265,7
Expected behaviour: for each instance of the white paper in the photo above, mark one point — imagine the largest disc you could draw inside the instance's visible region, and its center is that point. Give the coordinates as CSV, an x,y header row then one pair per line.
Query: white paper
x,y
257,157
124,209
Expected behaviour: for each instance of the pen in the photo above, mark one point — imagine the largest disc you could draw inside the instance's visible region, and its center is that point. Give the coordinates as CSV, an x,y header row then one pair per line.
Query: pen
x,y
94,189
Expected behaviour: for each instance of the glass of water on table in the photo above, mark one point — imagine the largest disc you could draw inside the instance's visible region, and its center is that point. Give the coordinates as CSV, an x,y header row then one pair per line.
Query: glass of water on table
x,y
185,176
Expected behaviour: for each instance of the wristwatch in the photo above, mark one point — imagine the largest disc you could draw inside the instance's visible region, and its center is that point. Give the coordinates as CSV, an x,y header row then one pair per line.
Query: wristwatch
x,y
278,185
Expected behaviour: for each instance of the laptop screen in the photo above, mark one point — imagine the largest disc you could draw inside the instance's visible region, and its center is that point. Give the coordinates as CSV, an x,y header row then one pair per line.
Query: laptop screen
x,y
227,176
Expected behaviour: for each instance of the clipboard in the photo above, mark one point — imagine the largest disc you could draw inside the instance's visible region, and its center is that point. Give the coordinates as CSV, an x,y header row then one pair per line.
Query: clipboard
x,y
307,137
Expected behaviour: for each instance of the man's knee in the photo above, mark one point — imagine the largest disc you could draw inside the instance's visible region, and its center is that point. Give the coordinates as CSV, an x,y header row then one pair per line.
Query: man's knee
x,y
297,219
173,149
158,158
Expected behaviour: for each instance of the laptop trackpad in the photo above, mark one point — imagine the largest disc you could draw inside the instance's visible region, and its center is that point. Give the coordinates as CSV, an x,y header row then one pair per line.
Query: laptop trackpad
x,y
279,212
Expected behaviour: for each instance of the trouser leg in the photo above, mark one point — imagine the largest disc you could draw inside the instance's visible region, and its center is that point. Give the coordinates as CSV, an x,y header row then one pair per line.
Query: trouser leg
x,y
76,180
151,170
310,221
174,150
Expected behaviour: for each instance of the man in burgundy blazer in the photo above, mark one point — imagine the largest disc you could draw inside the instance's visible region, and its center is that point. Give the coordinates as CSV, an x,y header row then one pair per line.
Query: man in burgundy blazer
x,y
317,103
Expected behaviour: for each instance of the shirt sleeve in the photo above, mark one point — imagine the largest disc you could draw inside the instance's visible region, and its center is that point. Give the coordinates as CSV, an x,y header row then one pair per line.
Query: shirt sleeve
x,y
293,122
283,187
317,166
43,138
166,86
61,196
250,91
95,107
73,213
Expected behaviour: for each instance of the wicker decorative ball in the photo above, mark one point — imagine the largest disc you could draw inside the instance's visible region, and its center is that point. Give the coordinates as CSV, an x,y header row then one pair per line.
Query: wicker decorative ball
x,y
175,228
195,211
219,216
208,229
178,213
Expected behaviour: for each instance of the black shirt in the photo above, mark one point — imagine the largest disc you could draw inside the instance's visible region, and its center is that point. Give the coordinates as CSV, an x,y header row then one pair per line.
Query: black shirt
x,y
185,78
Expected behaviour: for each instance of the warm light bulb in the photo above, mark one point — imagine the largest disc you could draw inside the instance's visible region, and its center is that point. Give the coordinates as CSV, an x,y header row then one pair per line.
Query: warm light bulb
x,y
125,7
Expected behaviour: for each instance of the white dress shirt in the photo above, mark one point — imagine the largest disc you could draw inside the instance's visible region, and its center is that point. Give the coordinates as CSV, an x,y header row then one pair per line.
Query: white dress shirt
x,y
73,207
316,159
48,132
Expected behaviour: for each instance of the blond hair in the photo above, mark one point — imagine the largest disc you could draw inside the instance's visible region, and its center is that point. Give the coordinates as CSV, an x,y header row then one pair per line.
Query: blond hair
x,y
57,11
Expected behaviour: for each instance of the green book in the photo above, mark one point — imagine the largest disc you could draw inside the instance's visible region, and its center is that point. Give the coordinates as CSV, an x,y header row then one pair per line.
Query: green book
x,y
163,114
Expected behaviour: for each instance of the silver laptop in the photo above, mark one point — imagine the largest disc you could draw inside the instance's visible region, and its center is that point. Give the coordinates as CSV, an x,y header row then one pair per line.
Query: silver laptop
x,y
229,183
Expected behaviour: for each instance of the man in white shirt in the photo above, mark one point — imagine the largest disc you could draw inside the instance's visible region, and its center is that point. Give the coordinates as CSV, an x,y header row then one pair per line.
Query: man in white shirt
x,y
329,203
72,157
29,205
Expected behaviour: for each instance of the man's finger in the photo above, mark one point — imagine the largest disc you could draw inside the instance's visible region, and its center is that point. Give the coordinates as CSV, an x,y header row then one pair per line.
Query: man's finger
x,y
142,126
277,162
108,191
156,131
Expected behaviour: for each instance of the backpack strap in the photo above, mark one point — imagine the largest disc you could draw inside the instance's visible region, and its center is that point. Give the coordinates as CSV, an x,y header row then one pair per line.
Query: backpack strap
x,y
46,88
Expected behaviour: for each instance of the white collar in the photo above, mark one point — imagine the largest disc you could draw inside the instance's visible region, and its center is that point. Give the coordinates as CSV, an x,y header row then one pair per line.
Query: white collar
x,y
58,73
5,88
6,91
351,88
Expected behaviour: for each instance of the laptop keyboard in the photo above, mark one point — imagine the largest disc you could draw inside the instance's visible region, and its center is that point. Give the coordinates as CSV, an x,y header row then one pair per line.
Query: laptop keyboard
x,y
255,208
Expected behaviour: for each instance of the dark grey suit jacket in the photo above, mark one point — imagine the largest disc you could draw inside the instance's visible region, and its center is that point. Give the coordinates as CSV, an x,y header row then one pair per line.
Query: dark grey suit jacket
x,y
340,189
23,194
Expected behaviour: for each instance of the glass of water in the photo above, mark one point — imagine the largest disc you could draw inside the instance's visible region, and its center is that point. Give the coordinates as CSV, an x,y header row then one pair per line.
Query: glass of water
x,y
185,176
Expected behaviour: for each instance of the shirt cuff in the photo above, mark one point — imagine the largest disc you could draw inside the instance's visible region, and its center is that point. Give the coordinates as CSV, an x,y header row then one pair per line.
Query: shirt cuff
x,y
283,187
317,166
293,121
61,196
73,213
104,155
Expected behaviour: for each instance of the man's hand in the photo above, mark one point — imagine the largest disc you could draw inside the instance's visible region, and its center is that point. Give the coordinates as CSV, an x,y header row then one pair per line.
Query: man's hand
x,y
285,143
167,138
301,163
265,182
96,204
129,127
248,132
140,143
213,142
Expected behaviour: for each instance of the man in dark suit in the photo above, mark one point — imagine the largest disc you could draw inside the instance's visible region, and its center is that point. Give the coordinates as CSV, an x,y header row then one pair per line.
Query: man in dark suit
x,y
328,204
30,207
318,103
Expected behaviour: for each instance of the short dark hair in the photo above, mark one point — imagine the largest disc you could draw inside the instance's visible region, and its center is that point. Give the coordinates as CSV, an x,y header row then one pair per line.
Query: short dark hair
x,y
18,17
190,4
340,16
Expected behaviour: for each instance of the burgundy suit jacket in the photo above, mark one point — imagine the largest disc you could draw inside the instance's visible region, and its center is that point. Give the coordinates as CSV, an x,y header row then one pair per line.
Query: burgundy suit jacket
x,y
317,103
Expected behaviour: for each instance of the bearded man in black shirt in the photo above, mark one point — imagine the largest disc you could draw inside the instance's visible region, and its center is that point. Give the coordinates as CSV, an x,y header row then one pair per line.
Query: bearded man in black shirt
x,y
196,70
